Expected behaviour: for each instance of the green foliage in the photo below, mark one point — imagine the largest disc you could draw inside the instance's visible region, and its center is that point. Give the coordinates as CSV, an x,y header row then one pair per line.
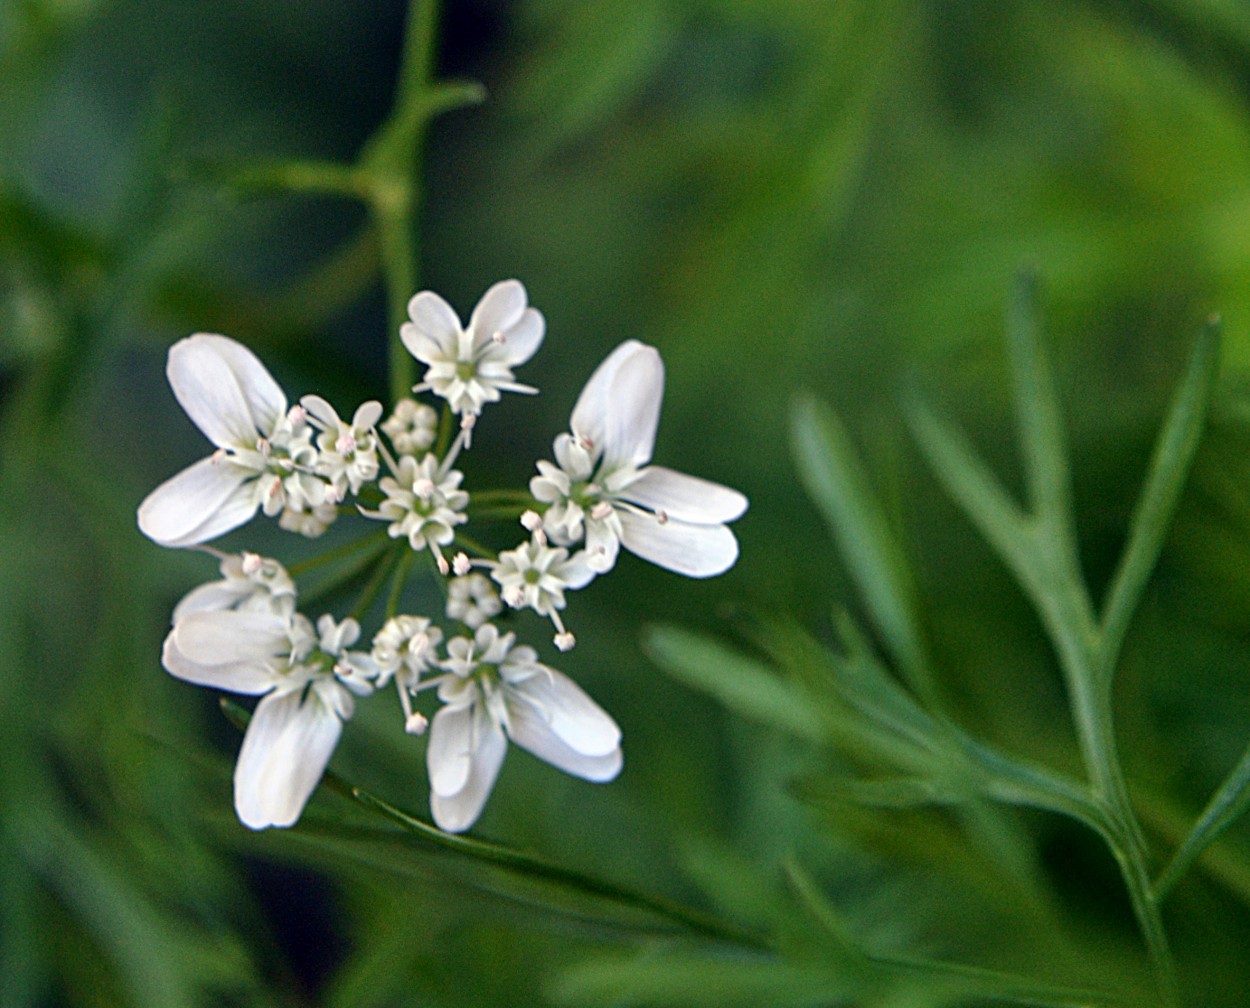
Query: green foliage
x,y
943,765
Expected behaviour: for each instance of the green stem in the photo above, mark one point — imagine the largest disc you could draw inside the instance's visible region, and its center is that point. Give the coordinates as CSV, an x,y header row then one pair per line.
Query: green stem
x,y
529,866
398,580
338,553
392,160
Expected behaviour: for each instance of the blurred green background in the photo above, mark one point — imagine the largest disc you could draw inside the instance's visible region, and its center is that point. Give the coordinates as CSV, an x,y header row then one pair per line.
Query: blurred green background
x,y
782,195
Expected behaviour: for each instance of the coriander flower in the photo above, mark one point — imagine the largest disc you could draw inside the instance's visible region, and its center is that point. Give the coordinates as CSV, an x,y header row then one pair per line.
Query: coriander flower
x,y
412,427
602,488
347,452
471,366
536,575
303,705
472,600
424,502
263,455
403,649
250,583
492,692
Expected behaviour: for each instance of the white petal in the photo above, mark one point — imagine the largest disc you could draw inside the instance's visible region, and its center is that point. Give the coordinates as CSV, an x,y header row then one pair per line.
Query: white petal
x,y
235,677
449,756
694,550
455,811
225,389
528,733
499,310
210,597
232,635
550,703
367,414
320,410
589,418
435,327
200,503
577,571
686,498
633,409
285,751
603,543
519,343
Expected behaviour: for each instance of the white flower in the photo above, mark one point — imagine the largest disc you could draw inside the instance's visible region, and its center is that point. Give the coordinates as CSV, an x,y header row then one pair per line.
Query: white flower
x,y
412,427
536,576
308,520
347,452
424,502
262,455
471,366
603,488
404,648
472,600
250,583
493,692
297,723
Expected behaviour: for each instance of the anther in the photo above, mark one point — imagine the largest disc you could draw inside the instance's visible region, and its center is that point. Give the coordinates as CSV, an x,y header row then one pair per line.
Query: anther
x,y
601,511
661,516
564,641
251,563
460,564
416,723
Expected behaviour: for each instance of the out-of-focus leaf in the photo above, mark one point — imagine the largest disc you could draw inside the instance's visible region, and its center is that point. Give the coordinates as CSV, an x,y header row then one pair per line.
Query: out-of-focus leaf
x,y
835,480
749,688
680,978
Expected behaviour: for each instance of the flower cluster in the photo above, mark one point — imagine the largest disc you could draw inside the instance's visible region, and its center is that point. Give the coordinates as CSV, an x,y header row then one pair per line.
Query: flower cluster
x,y
301,464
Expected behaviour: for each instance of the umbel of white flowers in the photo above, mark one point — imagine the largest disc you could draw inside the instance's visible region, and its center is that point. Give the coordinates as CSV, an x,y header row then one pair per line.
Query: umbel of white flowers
x,y
243,633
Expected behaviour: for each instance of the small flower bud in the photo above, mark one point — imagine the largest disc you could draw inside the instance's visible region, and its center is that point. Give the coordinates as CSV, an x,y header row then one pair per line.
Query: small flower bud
x,y
564,641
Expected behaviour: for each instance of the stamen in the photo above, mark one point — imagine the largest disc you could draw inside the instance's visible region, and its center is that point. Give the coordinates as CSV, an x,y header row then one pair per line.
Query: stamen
x,y
346,444
531,520
297,415
564,641
443,566
661,516
251,563
601,511
498,337
416,723
460,564
423,487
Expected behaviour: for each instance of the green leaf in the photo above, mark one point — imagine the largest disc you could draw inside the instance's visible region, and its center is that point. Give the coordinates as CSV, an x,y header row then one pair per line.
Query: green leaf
x,y
1226,806
1169,467
694,979
747,687
834,477
1038,418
